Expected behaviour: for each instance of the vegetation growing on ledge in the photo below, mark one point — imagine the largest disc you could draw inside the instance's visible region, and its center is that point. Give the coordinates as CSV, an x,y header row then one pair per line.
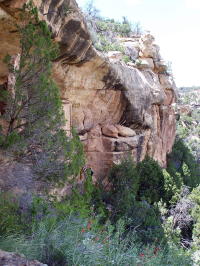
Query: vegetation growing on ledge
x,y
104,32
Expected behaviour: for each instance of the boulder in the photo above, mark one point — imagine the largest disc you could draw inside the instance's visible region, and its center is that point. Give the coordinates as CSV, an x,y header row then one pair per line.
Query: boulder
x,y
110,131
161,66
131,64
114,55
166,81
147,39
143,63
131,50
148,48
14,259
125,131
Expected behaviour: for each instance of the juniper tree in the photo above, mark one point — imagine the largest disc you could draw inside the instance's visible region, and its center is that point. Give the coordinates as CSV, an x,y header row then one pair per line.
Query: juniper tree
x,y
34,108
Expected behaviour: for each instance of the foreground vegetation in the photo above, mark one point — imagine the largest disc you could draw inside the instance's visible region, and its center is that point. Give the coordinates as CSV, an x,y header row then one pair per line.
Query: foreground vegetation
x,y
134,223
76,241
146,215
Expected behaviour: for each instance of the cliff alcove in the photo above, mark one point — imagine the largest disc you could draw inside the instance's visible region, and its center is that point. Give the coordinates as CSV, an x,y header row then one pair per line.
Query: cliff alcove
x,y
117,108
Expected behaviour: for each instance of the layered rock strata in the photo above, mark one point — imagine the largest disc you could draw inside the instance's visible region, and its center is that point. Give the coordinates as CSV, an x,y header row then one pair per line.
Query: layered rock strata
x,y
117,108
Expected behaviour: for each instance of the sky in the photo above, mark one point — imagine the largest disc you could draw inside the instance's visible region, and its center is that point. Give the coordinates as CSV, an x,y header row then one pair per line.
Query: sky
x,y
175,25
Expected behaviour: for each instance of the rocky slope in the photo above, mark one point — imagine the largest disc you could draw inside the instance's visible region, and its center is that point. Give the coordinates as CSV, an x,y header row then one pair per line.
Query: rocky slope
x,y
117,108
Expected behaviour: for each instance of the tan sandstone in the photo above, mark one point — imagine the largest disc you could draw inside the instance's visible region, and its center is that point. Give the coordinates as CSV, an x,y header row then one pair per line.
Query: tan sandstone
x,y
125,131
110,131
100,94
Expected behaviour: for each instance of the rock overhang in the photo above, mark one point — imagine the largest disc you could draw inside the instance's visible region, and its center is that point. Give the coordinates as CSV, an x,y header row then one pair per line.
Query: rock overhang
x,y
103,90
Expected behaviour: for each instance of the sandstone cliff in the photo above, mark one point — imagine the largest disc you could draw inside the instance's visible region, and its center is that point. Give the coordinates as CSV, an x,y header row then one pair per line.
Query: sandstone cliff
x,y
117,108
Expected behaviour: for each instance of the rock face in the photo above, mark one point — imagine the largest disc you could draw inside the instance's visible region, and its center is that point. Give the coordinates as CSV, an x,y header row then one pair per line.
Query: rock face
x,y
14,259
117,108
19,179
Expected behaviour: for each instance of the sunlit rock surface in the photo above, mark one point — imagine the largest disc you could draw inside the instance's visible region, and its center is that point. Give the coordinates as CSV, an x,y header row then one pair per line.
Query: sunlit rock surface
x,y
100,91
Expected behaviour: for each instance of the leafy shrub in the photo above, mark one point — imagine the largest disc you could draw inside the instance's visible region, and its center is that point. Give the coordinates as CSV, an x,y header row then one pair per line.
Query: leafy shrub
x,y
105,45
104,31
17,219
146,221
126,58
10,219
139,215
172,186
195,212
60,239
124,180
182,164
85,202
151,183
182,220
102,25
122,29
182,170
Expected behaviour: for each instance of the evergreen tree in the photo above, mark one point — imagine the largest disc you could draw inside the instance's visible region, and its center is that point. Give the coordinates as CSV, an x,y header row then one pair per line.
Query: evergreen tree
x,y
34,109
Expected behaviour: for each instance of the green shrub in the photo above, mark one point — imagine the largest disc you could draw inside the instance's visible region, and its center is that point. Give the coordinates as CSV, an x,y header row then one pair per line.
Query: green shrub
x,y
34,111
58,239
122,29
124,180
195,212
138,215
145,220
106,45
144,181
151,183
10,218
182,165
182,170
85,202
126,58
172,186
102,25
